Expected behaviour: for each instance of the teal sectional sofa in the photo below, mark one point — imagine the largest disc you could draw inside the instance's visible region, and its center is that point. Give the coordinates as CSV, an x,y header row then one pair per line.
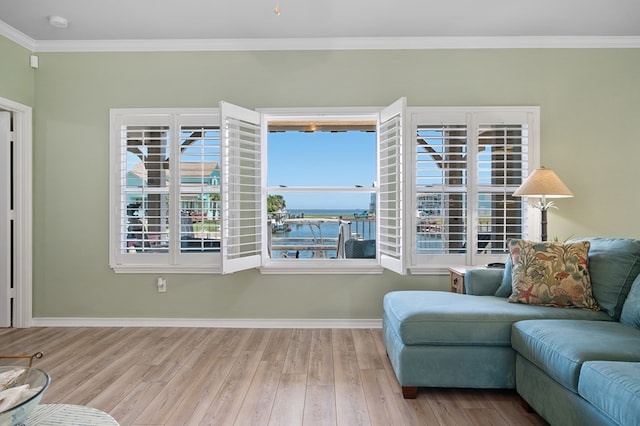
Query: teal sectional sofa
x,y
572,366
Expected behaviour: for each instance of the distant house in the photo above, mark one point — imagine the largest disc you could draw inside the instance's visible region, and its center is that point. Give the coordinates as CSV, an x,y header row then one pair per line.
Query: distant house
x,y
204,204
430,205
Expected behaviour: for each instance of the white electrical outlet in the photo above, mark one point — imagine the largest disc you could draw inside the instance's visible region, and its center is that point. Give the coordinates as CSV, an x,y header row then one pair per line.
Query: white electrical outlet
x,y
162,285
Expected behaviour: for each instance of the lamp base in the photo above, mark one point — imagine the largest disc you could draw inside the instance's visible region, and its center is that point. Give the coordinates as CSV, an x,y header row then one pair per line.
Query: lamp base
x,y
543,225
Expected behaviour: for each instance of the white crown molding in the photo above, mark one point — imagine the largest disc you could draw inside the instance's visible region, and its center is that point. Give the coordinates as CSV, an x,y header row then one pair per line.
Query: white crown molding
x,y
16,36
205,322
355,43
341,43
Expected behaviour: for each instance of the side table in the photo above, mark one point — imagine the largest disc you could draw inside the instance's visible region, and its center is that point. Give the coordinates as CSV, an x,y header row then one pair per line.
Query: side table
x,y
68,415
456,279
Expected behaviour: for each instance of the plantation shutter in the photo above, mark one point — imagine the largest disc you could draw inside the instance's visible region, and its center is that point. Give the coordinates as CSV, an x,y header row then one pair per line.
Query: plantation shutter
x,y
165,190
441,186
390,201
199,188
144,181
502,164
467,165
242,209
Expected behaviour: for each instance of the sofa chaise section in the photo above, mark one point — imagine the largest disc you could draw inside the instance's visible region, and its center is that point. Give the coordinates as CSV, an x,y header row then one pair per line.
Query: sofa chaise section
x,y
441,339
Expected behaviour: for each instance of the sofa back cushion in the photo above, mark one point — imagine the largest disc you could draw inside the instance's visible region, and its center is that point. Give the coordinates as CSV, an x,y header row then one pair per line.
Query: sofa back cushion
x,y
631,309
614,263
505,289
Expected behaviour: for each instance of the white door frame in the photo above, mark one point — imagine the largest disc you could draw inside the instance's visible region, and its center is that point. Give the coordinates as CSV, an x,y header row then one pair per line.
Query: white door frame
x,y
6,216
23,210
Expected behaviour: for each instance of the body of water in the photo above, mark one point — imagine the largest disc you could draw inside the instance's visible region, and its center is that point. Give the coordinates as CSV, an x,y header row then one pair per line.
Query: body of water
x,y
328,213
318,233
315,232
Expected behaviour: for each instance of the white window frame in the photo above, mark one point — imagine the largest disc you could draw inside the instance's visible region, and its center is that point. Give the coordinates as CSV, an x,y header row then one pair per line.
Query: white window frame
x,y
173,261
399,254
472,117
318,266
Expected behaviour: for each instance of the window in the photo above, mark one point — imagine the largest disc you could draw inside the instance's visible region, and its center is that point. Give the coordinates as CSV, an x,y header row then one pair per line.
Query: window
x,y
329,202
246,230
467,164
166,190
228,189
321,175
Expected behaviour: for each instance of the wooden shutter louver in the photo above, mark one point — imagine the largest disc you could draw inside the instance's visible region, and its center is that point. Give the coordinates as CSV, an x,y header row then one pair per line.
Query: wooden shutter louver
x,y
441,188
390,209
199,183
502,162
242,184
144,209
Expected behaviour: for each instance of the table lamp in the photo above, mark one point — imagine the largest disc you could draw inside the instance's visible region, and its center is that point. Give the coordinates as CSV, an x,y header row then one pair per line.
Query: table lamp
x,y
543,183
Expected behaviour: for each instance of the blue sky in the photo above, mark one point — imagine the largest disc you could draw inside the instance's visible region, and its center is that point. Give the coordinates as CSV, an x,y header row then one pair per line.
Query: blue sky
x,y
322,159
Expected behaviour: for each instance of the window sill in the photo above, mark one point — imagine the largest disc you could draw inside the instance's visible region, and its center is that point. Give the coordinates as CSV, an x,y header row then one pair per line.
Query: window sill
x,y
429,270
322,267
167,269
273,267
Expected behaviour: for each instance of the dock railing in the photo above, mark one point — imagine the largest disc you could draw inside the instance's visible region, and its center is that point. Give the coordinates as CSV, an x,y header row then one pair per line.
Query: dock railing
x,y
326,238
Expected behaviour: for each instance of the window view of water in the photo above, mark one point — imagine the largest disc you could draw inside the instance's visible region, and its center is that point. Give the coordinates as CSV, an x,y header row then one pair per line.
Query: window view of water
x,y
324,234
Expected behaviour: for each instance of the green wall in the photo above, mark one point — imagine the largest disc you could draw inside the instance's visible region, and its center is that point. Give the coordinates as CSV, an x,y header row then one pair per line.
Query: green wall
x,y
590,108
16,76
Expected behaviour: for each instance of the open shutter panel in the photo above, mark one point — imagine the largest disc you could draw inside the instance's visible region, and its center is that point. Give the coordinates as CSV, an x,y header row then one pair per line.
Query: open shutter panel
x,y
390,201
242,210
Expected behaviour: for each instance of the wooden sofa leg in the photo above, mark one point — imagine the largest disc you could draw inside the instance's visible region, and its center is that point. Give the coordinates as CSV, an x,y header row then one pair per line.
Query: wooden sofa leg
x,y
409,392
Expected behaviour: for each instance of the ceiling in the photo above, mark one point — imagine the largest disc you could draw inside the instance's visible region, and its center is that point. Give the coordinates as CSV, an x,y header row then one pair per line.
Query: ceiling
x,y
316,20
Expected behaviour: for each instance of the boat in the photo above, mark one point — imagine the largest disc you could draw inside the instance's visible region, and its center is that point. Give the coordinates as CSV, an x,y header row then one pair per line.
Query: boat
x,y
279,222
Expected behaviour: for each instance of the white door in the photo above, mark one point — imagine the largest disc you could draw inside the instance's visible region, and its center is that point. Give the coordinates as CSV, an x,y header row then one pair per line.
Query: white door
x,y
6,221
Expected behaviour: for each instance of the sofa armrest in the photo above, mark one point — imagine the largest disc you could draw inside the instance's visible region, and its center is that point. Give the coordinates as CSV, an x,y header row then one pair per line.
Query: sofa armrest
x,y
483,282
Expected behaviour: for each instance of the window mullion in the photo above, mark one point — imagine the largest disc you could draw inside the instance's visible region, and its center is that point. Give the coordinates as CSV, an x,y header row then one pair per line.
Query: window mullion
x,y
174,191
472,187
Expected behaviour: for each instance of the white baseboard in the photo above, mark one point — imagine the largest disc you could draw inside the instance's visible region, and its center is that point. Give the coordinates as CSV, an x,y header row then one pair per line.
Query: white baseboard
x,y
205,322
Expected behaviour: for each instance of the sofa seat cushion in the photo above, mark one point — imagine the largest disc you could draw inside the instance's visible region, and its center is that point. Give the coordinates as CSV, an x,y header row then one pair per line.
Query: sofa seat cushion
x,y
612,387
443,318
560,347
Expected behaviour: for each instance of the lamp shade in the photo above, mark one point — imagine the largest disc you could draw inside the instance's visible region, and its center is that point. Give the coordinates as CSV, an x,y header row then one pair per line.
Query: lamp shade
x,y
543,182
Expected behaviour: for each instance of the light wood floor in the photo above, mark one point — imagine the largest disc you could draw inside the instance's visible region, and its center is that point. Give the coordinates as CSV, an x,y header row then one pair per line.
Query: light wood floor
x,y
193,376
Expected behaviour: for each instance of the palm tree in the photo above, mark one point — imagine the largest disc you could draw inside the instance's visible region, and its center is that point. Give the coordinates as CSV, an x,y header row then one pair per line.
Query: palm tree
x,y
275,203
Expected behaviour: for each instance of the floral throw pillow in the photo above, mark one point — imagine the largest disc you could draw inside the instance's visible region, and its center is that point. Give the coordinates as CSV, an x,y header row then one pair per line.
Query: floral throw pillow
x,y
551,274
